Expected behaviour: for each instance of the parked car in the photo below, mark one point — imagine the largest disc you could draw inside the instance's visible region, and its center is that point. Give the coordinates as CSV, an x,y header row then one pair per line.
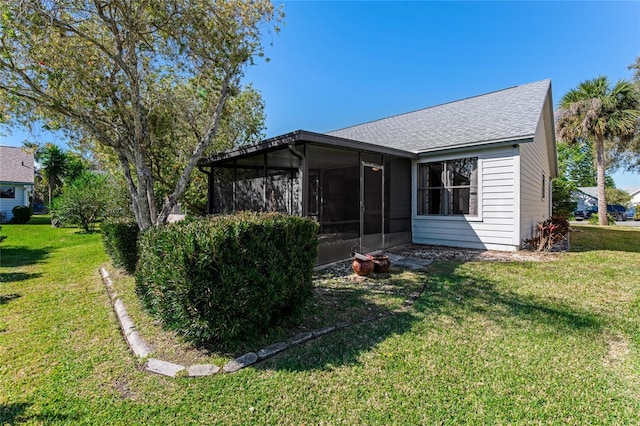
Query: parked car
x,y
39,208
589,211
618,211
578,215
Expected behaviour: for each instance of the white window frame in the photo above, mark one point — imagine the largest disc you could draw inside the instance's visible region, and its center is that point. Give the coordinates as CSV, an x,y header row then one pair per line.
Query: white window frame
x,y
439,158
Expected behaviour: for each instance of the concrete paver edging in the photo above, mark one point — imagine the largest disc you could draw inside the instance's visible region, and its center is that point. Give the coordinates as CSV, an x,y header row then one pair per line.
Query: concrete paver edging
x,y
143,350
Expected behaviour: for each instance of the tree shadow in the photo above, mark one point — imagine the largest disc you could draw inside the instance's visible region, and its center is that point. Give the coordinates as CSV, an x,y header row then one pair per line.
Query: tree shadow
x,y
81,231
456,294
23,256
11,413
343,304
613,238
16,413
11,277
449,292
6,298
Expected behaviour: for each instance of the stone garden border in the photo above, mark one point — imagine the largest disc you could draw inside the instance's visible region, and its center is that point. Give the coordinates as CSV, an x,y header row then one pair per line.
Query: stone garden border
x,y
401,258
143,351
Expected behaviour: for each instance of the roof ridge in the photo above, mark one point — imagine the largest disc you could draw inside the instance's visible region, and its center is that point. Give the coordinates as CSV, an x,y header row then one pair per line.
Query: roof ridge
x,y
439,105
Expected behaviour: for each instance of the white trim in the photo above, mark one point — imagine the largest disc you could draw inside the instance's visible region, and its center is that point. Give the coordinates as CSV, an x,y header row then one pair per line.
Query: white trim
x,y
516,196
435,159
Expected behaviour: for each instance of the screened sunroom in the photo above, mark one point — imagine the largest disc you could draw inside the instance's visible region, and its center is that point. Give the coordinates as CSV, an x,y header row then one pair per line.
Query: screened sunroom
x,y
359,193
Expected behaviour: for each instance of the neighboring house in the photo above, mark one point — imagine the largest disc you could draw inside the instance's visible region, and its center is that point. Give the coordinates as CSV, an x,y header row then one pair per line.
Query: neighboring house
x,y
634,191
586,197
471,173
16,179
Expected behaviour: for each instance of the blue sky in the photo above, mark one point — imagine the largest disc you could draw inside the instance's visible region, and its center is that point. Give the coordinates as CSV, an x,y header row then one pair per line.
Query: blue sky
x,y
335,64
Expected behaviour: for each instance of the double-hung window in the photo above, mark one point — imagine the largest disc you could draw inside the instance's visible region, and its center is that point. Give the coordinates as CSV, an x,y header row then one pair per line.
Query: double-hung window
x,y
448,187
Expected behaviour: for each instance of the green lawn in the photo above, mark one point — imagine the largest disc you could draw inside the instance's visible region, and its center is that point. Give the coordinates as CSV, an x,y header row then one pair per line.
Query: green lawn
x,y
485,343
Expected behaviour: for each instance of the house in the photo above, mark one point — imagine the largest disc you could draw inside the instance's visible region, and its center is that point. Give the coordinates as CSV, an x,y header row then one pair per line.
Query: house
x,y
16,180
472,173
586,197
634,191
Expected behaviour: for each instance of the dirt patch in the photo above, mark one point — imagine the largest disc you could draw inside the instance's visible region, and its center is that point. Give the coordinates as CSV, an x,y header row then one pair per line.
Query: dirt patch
x,y
618,351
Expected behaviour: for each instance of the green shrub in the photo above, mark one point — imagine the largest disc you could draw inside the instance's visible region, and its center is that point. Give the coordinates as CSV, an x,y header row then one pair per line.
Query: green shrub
x,y
594,219
83,202
120,238
21,214
228,277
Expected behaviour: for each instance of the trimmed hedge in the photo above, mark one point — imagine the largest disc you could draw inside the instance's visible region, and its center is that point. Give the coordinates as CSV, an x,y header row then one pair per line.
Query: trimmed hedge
x,y
21,214
120,238
228,277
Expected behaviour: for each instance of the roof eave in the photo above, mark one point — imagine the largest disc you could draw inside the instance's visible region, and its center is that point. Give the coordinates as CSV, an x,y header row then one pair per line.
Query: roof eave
x,y
494,143
299,136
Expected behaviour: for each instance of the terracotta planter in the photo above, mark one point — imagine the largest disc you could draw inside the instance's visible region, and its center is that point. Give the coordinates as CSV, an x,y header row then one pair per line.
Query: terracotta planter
x,y
362,267
381,264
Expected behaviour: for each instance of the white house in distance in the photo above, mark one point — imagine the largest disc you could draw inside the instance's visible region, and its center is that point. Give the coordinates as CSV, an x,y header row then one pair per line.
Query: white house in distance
x,y
16,179
470,173
586,196
634,191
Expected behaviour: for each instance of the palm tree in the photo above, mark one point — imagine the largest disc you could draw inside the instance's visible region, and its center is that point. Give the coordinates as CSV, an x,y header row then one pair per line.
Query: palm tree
x,y
594,111
53,165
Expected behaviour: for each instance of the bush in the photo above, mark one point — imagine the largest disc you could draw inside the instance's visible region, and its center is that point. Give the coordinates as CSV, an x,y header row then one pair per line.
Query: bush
x,y
594,219
227,278
21,214
548,233
83,201
120,238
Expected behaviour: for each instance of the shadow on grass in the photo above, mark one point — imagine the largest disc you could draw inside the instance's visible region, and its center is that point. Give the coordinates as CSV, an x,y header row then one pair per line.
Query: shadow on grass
x,y
614,238
457,294
341,303
16,413
446,292
10,413
40,220
23,256
11,277
5,298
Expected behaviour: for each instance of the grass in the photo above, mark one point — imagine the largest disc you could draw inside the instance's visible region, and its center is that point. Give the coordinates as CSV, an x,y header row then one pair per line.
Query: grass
x,y
485,342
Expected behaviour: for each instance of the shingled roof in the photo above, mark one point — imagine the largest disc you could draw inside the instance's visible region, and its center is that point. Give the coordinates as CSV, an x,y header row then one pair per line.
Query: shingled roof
x,y
505,115
16,166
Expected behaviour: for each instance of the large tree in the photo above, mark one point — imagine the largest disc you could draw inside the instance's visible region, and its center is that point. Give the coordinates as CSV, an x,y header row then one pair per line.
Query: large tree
x,y
576,163
628,152
122,72
597,111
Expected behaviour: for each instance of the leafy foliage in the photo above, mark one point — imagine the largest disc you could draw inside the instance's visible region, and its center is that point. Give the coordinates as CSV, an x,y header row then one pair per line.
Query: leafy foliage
x,y
618,196
576,162
627,151
594,219
597,111
562,203
55,168
133,77
83,202
548,233
227,277
21,214
120,238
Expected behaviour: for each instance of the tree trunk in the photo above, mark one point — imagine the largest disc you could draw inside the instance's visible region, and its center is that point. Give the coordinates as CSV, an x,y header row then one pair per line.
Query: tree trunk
x,y
602,200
